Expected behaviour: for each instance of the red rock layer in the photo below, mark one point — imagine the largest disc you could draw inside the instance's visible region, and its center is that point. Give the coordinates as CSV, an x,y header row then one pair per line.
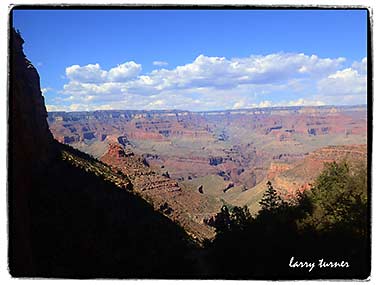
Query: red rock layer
x,y
302,173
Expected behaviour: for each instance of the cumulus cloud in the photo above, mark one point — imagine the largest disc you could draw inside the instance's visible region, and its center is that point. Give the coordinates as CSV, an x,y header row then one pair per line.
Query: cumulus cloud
x,y
92,73
220,72
305,102
347,86
239,104
264,104
360,66
124,71
217,83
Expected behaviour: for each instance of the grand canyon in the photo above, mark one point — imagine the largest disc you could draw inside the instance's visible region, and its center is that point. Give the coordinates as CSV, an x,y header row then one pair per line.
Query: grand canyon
x,y
179,193
189,164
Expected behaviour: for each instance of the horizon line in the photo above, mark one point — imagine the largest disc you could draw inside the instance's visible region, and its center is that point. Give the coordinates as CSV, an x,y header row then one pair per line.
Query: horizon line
x,y
210,111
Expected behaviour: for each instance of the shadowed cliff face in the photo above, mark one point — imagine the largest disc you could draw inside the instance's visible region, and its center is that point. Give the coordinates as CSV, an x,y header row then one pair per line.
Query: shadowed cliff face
x,y
32,139
70,215
30,148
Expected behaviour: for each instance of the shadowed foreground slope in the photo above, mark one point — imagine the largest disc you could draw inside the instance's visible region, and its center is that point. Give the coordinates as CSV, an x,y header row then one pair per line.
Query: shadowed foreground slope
x,y
86,226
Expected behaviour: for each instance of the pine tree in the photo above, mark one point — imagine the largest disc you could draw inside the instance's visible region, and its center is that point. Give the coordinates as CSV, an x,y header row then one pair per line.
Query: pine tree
x,y
271,200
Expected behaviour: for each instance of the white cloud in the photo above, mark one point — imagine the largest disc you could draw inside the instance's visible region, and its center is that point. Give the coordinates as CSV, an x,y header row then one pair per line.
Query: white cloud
x,y
361,66
124,71
263,104
77,107
215,83
217,72
346,86
157,103
220,72
305,102
297,102
55,108
239,104
160,63
82,107
92,73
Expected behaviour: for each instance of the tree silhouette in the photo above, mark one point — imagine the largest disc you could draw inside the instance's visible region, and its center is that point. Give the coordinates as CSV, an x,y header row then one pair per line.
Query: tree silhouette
x,y
271,200
223,220
240,218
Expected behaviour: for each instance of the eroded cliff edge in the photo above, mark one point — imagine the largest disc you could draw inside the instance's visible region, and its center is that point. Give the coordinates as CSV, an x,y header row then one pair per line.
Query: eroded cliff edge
x,y
30,149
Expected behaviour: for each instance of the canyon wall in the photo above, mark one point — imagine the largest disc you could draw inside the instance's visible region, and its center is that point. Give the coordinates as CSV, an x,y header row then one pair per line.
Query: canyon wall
x,y
30,149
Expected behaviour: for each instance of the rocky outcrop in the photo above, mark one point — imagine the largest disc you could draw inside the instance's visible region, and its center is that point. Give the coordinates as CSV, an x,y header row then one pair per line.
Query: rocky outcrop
x,y
186,207
30,148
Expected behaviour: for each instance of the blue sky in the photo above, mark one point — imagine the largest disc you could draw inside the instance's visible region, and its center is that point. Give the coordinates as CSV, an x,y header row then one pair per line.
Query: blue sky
x,y
196,59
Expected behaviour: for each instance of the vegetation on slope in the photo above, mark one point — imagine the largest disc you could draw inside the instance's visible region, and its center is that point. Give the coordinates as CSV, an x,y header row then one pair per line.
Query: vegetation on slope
x,y
339,200
329,223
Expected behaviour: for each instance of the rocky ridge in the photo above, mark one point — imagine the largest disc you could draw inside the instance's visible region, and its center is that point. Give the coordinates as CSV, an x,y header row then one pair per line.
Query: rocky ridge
x,y
188,208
